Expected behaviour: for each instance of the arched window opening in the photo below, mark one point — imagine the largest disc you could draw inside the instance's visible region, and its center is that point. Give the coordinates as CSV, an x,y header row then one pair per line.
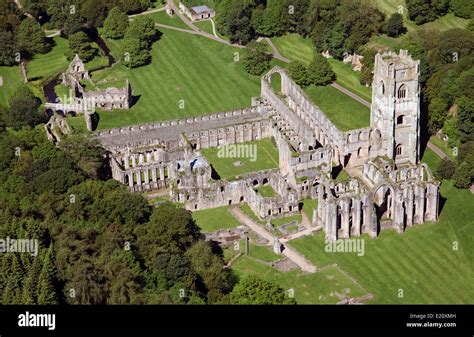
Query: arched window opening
x,y
400,120
402,91
399,150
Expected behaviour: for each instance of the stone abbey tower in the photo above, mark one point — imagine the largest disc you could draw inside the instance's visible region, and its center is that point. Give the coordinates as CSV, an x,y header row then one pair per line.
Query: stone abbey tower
x,y
395,112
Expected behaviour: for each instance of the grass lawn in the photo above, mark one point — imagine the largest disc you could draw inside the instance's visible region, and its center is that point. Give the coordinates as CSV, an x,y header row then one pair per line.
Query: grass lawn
x,y
245,208
308,288
308,206
205,26
266,191
349,79
46,65
211,220
421,261
11,78
432,159
343,176
165,19
51,63
442,145
185,69
443,23
295,47
267,158
343,111
282,221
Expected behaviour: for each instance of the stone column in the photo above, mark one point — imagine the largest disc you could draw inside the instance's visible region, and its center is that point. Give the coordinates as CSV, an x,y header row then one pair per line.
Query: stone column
x,y
420,216
134,160
139,178
409,207
356,220
345,219
432,203
147,177
130,179
399,215
141,158
162,173
149,157
126,162
331,221
153,174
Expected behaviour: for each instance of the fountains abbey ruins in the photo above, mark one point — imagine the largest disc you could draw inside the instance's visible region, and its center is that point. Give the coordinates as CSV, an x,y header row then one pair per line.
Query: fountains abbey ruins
x,y
388,188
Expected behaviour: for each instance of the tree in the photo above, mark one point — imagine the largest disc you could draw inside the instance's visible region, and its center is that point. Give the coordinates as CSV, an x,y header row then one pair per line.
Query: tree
x,y
216,280
24,109
267,21
366,74
137,42
47,291
466,119
133,6
143,29
256,60
253,290
135,53
169,229
438,112
463,176
8,52
80,44
299,73
95,12
37,8
320,71
394,26
31,38
422,11
463,8
234,21
116,24
87,154
72,24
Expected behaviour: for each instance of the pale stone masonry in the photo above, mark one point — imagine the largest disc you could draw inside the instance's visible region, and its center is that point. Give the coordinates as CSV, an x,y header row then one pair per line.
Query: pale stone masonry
x,y
388,187
82,101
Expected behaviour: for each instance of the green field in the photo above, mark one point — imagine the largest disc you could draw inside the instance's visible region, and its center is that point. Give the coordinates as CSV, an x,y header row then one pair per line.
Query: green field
x,y
282,221
349,79
318,288
442,145
184,79
308,206
266,158
12,78
343,111
51,63
295,47
431,158
245,208
443,23
163,18
421,261
205,26
211,220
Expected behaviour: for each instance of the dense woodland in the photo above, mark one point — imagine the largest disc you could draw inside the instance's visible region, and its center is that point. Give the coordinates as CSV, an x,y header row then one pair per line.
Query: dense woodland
x,y
101,244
